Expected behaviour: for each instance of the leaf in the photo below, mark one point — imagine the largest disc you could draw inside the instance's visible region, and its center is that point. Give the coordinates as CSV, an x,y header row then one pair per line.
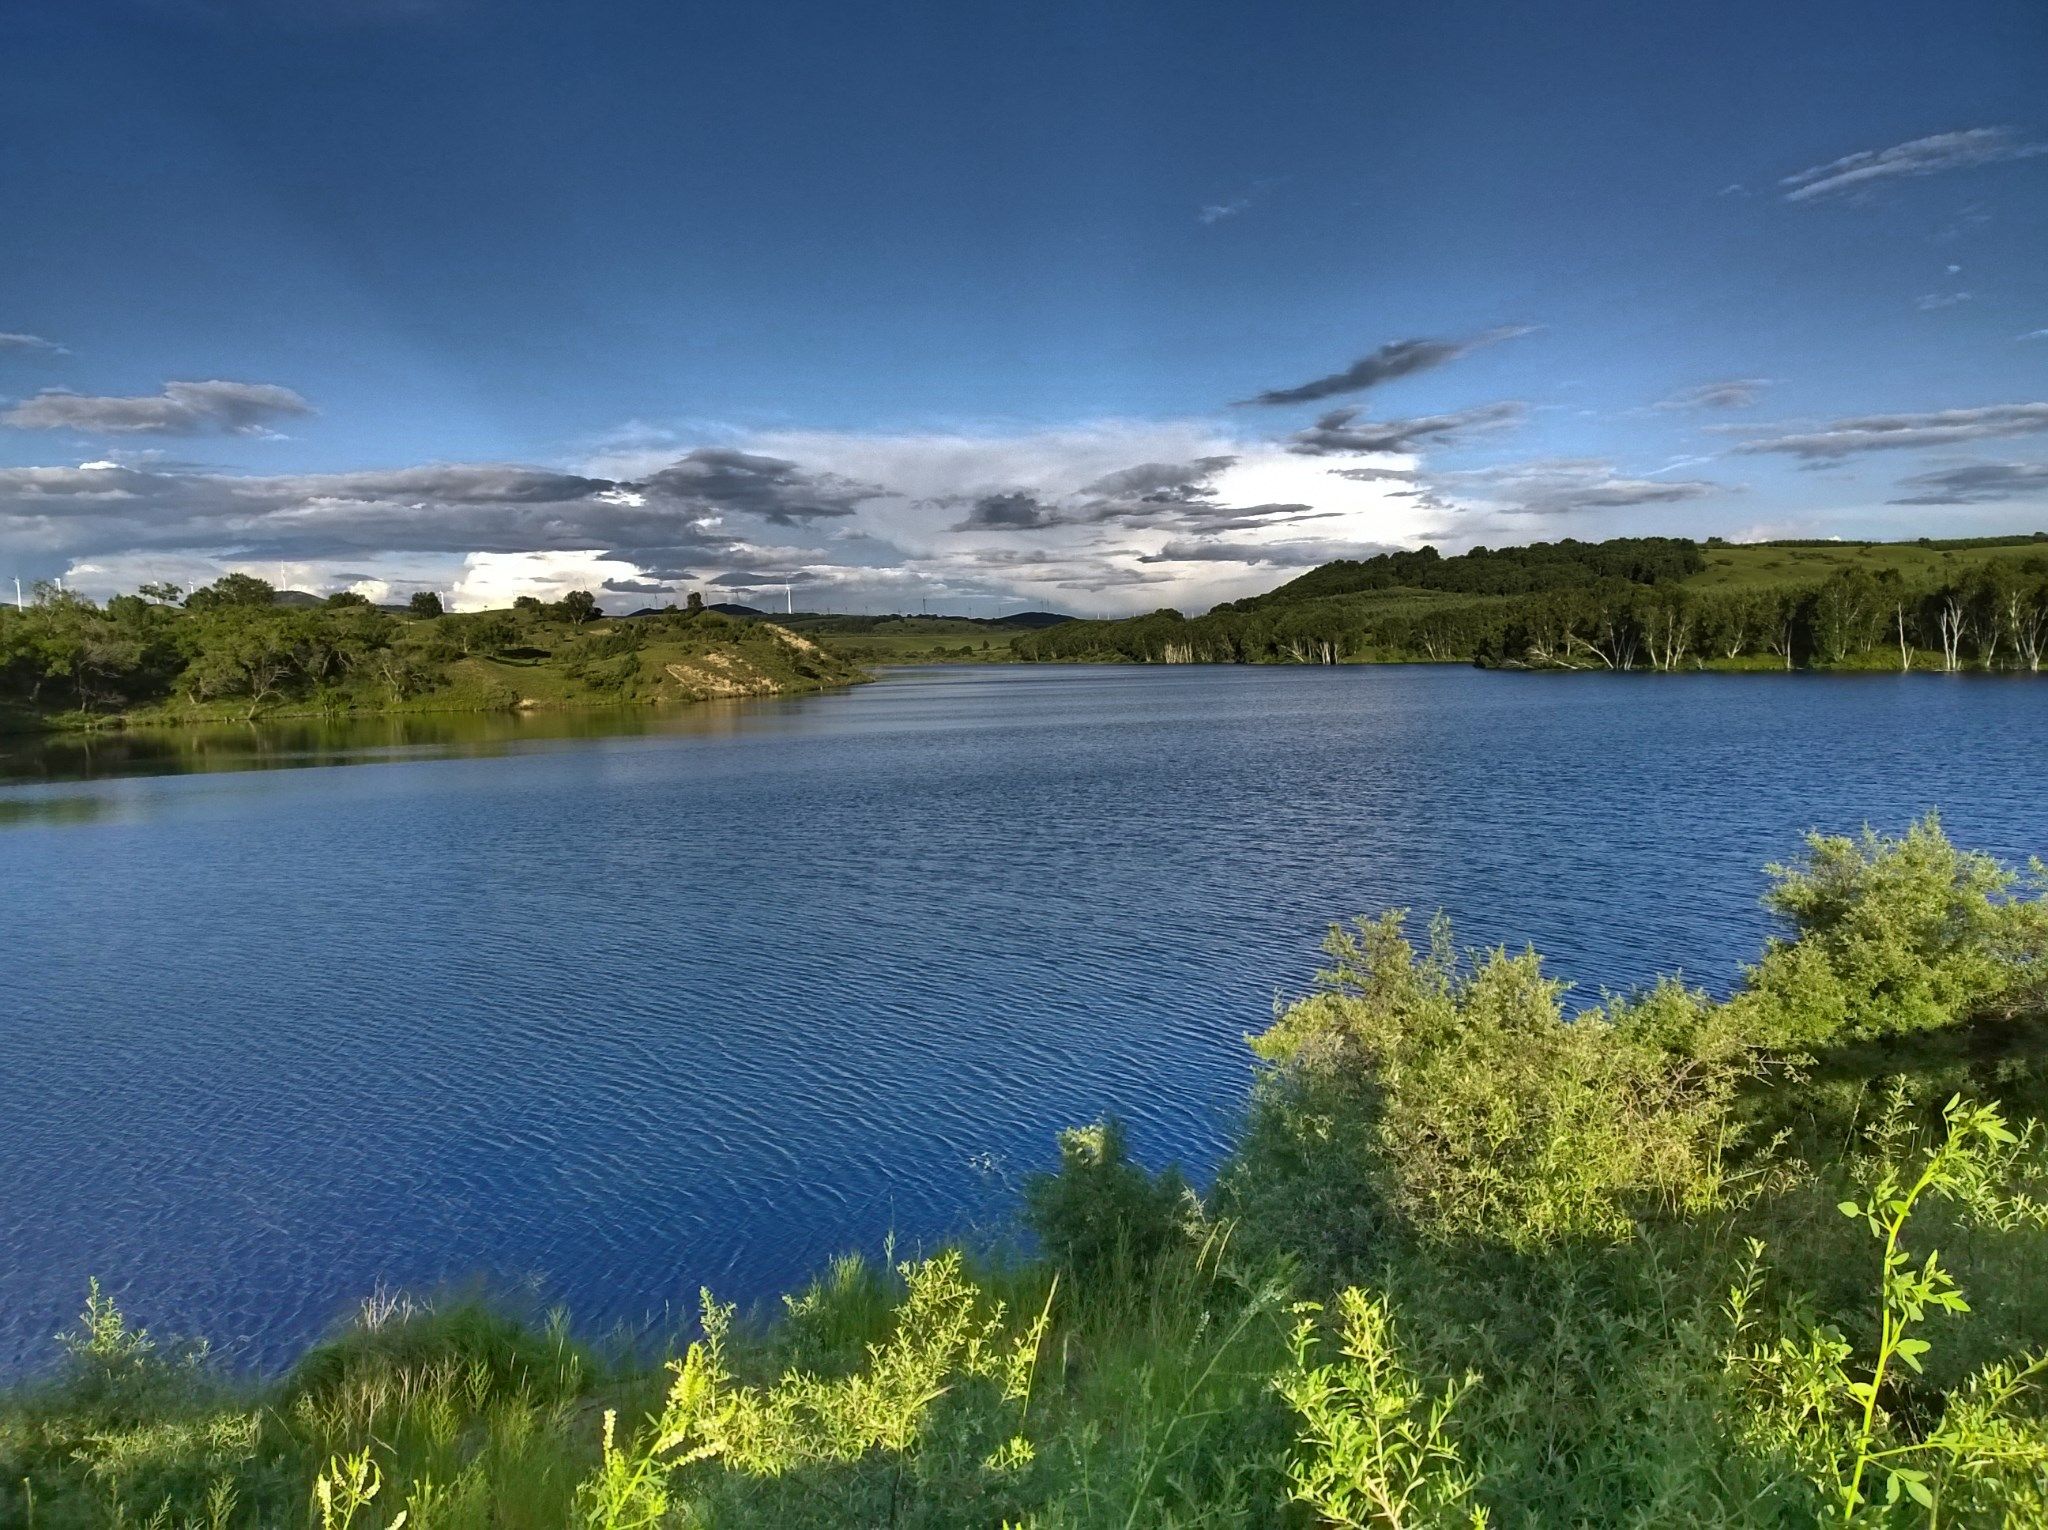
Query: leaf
x,y
1850,1209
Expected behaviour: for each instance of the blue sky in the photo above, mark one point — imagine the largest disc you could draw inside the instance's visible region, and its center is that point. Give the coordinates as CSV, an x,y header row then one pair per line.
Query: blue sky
x,y
958,304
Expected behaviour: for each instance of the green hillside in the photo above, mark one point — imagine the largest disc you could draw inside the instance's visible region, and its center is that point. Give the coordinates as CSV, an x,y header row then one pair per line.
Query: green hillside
x,y
233,651
1630,603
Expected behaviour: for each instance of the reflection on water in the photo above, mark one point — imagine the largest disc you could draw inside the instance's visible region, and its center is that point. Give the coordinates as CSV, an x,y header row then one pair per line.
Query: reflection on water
x,y
284,745
69,808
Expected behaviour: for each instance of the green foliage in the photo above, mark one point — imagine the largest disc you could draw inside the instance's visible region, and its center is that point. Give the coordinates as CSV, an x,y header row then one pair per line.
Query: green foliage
x,y
232,590
1632,603
1843,1418
1892,936
424,603
1101,1214
231,652
1375,1448
399,1343
1470,1108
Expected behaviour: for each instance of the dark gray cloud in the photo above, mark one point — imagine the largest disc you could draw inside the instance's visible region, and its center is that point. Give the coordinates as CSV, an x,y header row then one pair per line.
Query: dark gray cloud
x,y
1397,358
773,488
1977,483
1904,432
1563,486
1214,520
182,409
1293,554
748,579
82,511
1342,432
34,344
1921,156
453,483
1161,482
1016,511
1731,393
636,587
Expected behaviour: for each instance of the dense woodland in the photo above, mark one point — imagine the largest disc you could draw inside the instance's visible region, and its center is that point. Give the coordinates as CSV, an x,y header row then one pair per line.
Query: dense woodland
x,y
1630,604
235,648
1486,1253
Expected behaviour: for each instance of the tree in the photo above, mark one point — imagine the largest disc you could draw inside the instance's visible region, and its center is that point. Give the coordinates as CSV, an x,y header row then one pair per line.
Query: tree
x,y
347,598
232,590
578,606
424,603
696,602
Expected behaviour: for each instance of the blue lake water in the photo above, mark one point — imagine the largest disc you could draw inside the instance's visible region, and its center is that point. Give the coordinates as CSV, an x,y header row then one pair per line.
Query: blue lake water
x,y
611,1008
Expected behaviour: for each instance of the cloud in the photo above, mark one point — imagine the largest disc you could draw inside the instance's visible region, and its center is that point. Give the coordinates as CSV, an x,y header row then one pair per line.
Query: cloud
x,y
1216,212
1341,431
1019,510
34,344
1921,156
1301,554
1564,486
1731,393
1162,482
1978,483
1397,358
2035,334
635,587
1080,516
1902,432
182,409
1928,302
773,488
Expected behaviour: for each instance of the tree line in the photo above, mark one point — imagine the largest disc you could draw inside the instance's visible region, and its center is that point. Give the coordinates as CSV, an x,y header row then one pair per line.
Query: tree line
x,y
1994,617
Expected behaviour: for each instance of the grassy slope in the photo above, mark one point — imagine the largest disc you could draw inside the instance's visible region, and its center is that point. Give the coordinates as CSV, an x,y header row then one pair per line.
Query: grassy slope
x,y
1763,565
736,659
911,639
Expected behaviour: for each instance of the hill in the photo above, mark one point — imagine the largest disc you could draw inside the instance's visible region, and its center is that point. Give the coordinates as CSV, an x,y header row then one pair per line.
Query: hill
x,y
1637,602
231,651
921,639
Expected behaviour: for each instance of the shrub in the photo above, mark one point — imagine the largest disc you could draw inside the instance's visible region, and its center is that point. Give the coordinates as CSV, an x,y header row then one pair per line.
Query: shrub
x,y
1892,936
1468,1106
399,1343
1101,1213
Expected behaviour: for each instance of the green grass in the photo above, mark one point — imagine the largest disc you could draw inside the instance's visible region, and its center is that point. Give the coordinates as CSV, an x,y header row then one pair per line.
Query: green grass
x,y
1767,565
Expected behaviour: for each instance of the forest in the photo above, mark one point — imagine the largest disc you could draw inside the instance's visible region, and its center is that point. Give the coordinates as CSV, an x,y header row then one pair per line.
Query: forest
x,y
1660,604
1486,1252
237,649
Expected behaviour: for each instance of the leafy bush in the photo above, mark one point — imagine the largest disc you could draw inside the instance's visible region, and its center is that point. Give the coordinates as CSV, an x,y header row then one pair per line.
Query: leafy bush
x,y
1467,1106
1892,936
1100,1213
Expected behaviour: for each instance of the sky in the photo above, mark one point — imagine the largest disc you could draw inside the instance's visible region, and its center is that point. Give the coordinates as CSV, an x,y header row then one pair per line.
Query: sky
x,y
1089,307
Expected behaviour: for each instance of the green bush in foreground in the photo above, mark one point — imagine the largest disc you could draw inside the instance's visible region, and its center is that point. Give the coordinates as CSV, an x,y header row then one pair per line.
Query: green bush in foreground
x,y
1670,1261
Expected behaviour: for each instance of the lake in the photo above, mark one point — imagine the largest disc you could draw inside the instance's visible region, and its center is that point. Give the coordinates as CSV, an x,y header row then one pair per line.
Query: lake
x,y
601,1008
